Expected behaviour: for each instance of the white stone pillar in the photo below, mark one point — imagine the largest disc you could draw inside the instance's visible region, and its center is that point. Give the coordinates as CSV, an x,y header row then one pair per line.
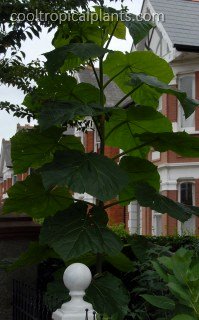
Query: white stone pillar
x,y
77,278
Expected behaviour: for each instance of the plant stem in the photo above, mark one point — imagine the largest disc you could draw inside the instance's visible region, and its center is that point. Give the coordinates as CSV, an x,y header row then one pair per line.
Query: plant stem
x,y
99,257
95,72
128,95
115,76
102,117
112,34
132,149
117,202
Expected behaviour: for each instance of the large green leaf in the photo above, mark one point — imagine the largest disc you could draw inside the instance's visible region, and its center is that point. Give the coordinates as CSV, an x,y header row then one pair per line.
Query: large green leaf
x,y
32,148
121,66
123,125
159,301
32,198
60,112
78,31
138,170
74,232
180,142
188,104
85,31
140,245
180,292
147,196
138,28
53,88
121,262
71,56
85,172
108,296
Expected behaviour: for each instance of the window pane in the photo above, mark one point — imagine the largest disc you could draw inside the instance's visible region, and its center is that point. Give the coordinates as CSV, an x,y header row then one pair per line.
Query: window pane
x,y
186,85
186,193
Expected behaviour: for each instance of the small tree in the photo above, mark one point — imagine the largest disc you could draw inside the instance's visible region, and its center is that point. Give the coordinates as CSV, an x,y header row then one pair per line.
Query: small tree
x,y
75,230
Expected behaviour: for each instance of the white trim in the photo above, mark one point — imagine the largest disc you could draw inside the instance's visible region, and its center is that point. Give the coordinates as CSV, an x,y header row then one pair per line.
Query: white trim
x,y
168,186
179,164
173,53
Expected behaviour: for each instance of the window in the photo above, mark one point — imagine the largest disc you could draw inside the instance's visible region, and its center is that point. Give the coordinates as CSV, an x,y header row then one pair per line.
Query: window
x,y
186,193
14,179
187,196
187,84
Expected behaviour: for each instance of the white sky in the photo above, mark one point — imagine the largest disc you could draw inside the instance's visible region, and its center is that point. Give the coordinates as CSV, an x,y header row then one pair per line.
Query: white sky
x,y
34,49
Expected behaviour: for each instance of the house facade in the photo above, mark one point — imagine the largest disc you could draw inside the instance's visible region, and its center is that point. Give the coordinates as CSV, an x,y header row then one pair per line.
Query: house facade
x,y
176,39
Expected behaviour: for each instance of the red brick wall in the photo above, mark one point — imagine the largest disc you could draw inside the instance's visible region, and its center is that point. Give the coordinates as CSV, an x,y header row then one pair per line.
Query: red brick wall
x,y
116,215
146,221
172,109
170,106
169,224
89,141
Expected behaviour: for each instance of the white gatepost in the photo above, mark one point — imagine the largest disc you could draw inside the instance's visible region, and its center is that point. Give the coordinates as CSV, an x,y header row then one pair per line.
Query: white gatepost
x,y
77,278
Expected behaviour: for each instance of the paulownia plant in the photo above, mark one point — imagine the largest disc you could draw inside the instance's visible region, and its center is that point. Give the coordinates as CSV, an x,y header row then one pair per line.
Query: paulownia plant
x,y
75,230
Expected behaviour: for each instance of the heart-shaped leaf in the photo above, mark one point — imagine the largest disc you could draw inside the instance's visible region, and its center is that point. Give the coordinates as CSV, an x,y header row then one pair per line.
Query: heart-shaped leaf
x,y
138,170
32,148
124,125
71,56
85,172
32,198
74,232
120,66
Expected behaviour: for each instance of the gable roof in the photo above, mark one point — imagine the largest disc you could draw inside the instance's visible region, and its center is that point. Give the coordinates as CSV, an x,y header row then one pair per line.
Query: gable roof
x,y
5,155
181,21
112,92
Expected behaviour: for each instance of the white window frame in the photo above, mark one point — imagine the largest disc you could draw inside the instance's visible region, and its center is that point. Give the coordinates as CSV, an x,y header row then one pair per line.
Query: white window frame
x,y
180,224
97,140
180,109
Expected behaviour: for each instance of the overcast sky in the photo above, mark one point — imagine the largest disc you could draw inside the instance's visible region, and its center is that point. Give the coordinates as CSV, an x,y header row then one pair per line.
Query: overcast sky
x,y
34,50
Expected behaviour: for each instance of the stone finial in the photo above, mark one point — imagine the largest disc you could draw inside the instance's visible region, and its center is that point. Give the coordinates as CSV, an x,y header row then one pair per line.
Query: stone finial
x,y
77,278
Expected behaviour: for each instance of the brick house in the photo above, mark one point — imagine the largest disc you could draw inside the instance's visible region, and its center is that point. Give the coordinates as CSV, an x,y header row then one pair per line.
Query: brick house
x,y
176,39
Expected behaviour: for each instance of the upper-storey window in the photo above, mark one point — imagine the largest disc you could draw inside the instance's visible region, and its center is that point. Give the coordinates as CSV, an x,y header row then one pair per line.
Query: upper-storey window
x,y
187,193
187,84
187,196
